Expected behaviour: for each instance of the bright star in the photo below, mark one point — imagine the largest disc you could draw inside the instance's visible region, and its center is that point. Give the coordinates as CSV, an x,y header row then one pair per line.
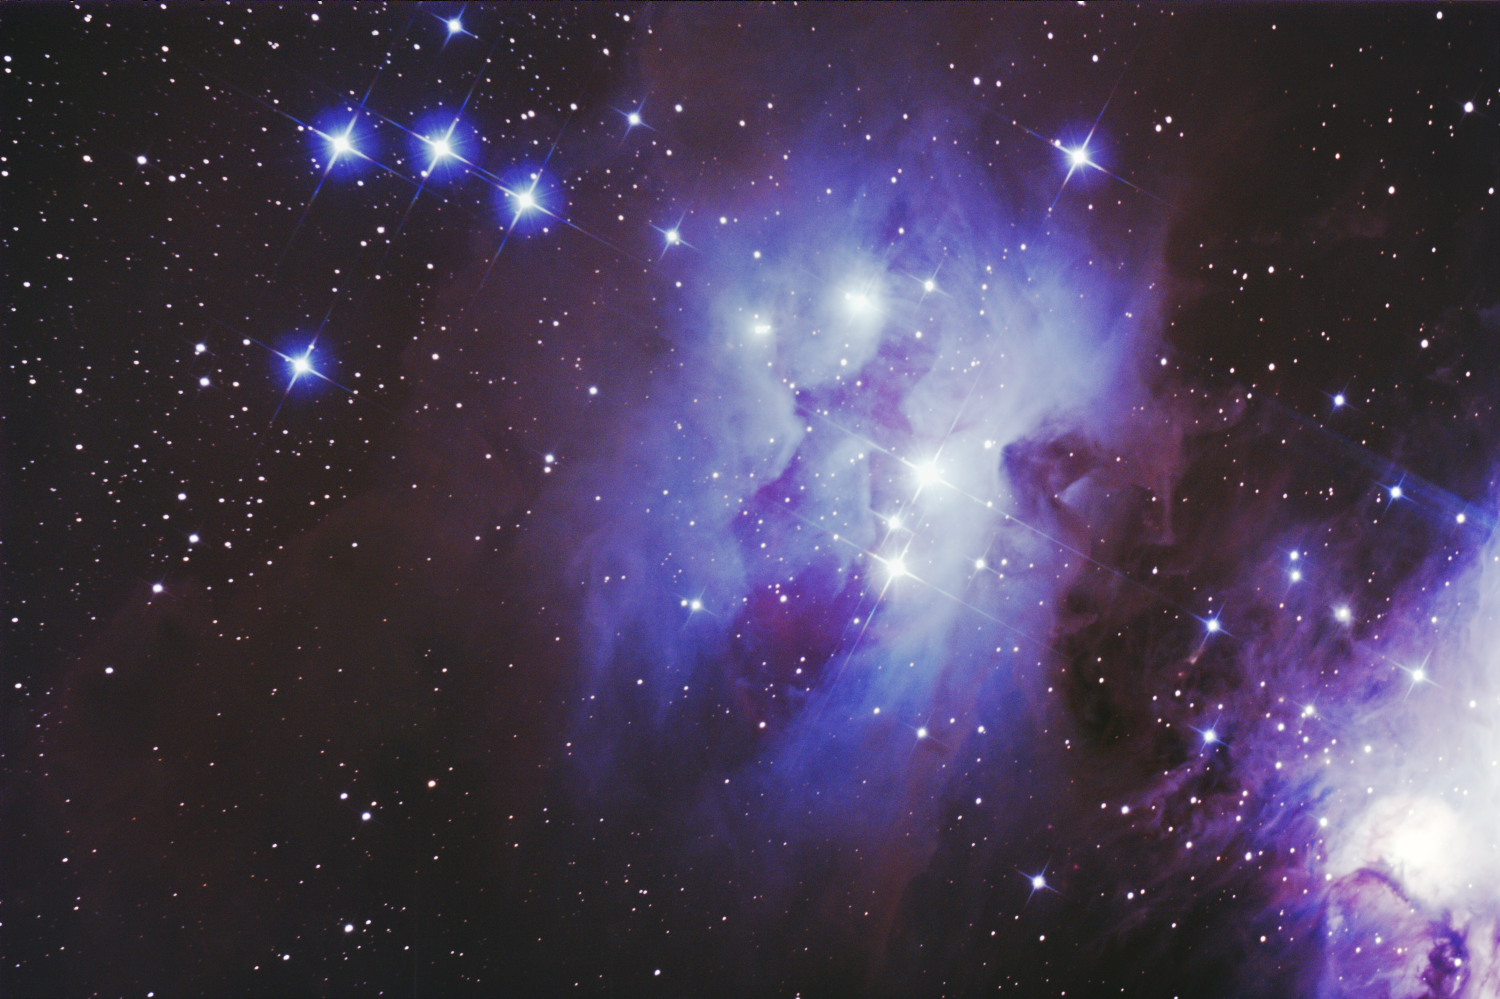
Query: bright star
x,y
927,473
441,148
922,732
157,587
1079,157
1468,107
1212,624
673,236
634,118
1210,737
1343,614
1339,400
929,285
896,567
1038,882
301,365
455,25
1296,575
1396,492
341,145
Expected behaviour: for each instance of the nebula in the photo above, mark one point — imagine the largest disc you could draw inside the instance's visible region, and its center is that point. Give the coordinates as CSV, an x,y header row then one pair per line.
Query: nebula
x,y
686,500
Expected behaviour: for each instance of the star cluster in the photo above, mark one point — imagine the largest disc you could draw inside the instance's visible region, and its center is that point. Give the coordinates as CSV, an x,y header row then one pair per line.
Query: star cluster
x,y
912,501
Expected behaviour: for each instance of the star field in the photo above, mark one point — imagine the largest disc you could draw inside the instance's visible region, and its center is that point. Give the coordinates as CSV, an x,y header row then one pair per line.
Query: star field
x,y
772,501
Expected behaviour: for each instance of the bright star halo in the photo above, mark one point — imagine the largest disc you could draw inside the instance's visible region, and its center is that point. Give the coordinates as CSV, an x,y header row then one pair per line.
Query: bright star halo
x,y
441,145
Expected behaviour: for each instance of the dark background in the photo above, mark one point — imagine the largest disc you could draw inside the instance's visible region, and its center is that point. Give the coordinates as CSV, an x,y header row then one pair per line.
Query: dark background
x,y
392,606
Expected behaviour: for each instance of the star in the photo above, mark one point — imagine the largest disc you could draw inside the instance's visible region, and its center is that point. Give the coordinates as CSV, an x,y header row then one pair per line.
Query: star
x,y
442,148
1037,882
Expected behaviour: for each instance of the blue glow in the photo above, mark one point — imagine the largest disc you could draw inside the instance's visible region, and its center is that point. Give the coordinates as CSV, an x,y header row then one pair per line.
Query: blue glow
x,y
443,146
301,364
343,141
529,200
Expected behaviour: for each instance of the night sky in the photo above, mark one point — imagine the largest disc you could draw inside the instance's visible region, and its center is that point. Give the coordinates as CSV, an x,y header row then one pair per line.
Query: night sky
x,y
755,501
